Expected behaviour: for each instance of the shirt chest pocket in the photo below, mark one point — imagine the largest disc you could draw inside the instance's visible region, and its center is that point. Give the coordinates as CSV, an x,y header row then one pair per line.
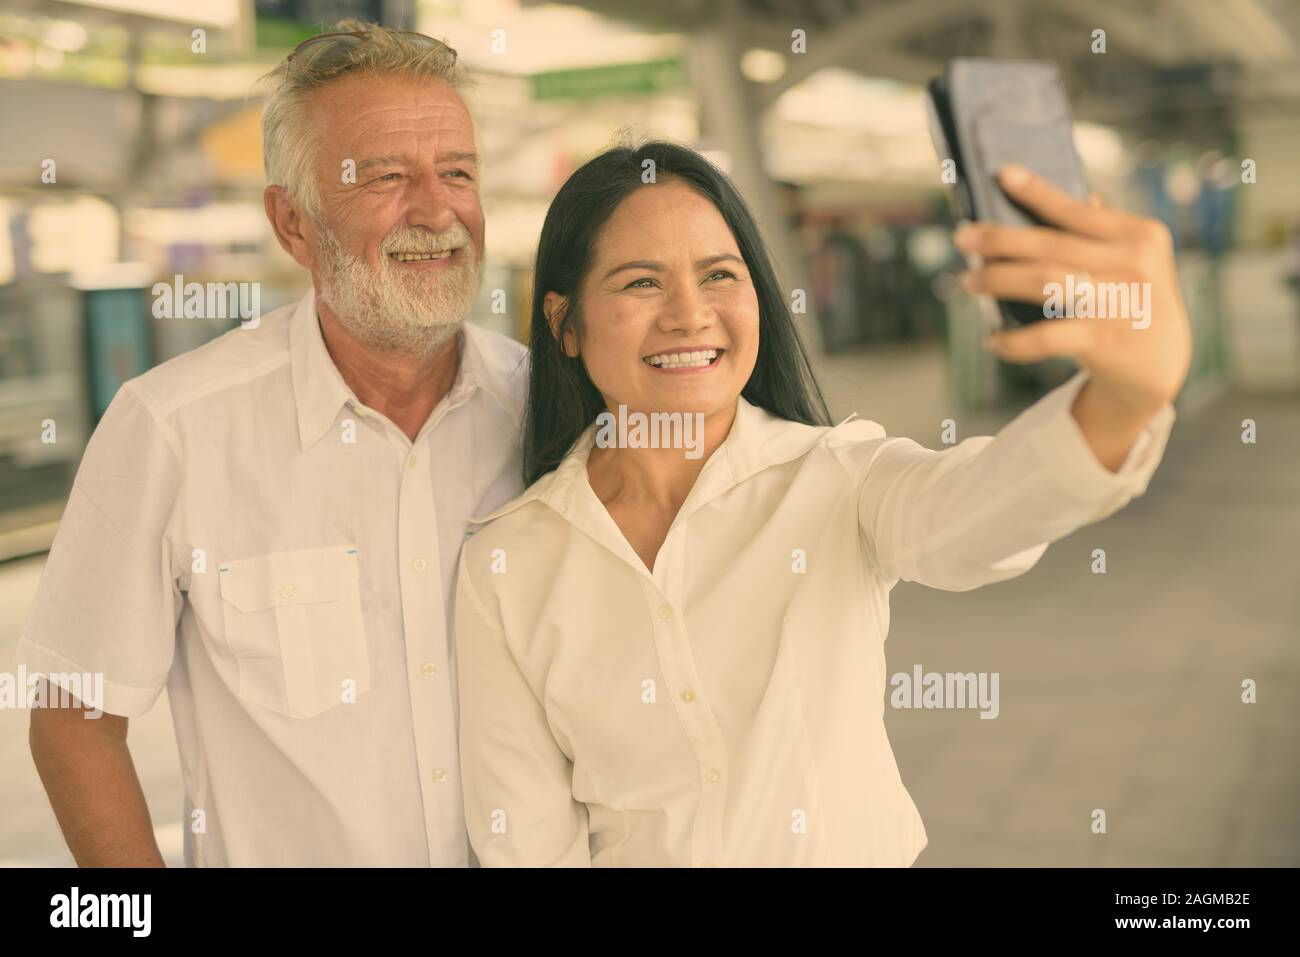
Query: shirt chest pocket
x,y
294,623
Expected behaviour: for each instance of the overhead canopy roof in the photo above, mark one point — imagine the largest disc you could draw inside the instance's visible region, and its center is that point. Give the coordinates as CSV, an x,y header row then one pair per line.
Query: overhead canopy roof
x,y
1248,49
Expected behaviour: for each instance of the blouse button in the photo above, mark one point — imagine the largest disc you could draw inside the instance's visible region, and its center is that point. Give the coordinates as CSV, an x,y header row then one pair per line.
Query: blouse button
x,y
688,695
286,591
665,611
713,775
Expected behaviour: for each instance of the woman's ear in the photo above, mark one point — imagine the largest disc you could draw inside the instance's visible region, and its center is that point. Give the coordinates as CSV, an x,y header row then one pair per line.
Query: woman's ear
x,y
554,306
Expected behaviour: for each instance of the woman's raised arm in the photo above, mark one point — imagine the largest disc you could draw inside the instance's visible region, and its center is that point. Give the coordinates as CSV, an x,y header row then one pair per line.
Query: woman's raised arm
x,y
985,510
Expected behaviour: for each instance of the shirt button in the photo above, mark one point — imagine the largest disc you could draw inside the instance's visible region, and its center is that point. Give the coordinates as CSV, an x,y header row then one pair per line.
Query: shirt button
x,y
412,462
439,774
419,564
665,611
428,668
286,591
688,695
713,775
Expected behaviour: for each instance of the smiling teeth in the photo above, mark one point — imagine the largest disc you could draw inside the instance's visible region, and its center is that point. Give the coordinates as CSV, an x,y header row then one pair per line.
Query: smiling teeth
x,y
418,257
683,360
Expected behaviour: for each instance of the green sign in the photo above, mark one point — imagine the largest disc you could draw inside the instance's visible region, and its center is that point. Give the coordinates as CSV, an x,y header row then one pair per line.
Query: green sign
x,y
622,79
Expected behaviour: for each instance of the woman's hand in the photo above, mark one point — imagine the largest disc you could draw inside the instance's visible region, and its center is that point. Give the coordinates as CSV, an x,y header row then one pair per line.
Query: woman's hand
x,y
1138,360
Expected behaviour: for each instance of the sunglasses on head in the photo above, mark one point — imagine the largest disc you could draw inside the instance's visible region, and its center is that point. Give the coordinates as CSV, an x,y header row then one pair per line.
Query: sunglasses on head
x,y
315,52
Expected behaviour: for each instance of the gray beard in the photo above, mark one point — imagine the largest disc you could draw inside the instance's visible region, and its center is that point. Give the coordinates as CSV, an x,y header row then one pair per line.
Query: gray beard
x,y
412,314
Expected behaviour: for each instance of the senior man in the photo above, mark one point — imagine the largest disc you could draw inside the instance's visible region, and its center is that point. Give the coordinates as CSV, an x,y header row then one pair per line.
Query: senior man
x,y
269,526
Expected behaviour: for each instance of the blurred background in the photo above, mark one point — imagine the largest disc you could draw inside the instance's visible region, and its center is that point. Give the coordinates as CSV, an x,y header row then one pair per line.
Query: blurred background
x,y
132,153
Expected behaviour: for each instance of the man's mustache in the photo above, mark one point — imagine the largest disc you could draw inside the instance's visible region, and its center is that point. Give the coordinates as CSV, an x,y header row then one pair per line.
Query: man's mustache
x,y
423,241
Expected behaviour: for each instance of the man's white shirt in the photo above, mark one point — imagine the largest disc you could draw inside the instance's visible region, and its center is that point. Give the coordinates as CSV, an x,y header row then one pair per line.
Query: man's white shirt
x,y
245,533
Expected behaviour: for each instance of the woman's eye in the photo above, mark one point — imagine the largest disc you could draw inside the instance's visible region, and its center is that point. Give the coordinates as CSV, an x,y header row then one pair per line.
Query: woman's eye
x,y
636,284
389,176
723,273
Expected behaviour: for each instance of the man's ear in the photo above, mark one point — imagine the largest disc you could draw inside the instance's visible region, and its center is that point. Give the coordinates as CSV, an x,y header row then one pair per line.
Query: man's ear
x,y
554,306
287,223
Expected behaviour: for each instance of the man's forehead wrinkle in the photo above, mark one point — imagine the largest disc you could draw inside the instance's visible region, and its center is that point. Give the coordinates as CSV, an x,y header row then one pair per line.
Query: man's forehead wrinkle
x,y
397,122
390,109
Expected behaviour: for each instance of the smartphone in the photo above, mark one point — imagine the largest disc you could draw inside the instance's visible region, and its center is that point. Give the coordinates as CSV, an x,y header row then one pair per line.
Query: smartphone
x,y
987,113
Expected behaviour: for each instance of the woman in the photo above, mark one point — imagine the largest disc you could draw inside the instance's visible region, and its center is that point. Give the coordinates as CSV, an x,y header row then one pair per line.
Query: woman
x,y
677,660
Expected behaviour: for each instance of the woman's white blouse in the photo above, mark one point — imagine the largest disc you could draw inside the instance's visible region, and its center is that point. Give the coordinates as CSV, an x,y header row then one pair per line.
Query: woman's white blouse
x,y
727,709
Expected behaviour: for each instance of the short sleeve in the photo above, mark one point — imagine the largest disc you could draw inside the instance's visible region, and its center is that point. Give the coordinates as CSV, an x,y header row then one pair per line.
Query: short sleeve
x,y
108,599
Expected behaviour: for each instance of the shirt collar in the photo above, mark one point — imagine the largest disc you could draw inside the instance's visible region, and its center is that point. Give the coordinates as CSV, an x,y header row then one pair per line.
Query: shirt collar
x,y
758,440
319,389
483,366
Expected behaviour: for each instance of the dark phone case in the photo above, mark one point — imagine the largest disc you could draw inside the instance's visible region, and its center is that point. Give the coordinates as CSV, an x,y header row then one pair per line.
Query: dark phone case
x,y
987,113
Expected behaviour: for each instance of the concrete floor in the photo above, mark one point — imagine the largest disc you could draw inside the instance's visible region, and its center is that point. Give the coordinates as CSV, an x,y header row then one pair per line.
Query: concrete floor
x,y
1119,692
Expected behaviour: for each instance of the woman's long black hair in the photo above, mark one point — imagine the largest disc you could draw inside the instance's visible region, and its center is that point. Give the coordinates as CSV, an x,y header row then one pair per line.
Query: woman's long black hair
x,y
562,399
